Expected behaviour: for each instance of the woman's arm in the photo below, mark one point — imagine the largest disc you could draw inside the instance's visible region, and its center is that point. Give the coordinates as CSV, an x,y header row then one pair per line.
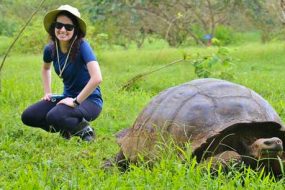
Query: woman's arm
x,y
95,80
46,77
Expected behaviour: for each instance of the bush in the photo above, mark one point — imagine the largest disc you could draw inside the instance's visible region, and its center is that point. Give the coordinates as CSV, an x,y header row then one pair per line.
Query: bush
x,y
33,39
4,45
225,35
7,27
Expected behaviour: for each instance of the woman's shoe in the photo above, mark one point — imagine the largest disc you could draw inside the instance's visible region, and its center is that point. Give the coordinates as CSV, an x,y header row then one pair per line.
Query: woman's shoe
x,y
87,134
83,130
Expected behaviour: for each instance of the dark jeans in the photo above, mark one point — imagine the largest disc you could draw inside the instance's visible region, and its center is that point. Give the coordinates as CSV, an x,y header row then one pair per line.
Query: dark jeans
x,y
54,118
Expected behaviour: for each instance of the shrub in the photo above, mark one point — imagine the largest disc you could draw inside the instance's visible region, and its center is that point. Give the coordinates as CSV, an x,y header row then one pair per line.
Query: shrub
x,y
4,45
33,38
7,27
225,35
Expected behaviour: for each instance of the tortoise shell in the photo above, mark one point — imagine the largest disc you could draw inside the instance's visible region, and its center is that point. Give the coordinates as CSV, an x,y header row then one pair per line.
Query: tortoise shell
x,y
195,112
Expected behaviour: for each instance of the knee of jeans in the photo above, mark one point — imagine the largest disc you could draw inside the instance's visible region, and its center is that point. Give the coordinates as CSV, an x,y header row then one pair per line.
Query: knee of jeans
x,y
52,118
27,117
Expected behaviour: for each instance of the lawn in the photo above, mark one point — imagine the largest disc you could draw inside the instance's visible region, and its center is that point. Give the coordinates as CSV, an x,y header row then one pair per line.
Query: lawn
x,y
33,159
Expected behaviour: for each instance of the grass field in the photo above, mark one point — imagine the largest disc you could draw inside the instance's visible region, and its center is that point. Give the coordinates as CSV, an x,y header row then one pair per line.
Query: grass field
x,y
33,159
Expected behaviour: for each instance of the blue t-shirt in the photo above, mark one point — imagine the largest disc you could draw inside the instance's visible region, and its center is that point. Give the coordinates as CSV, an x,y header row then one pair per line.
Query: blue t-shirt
x,y
75,75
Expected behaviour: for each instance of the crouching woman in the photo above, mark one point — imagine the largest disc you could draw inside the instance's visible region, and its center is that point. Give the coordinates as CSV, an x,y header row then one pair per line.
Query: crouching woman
x,y
75,63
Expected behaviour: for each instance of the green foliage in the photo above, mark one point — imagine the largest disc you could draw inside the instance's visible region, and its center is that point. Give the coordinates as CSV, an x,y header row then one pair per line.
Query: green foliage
x,y
225,35
8,27
217,65
246,37
128,22
32,39
5,43
263,16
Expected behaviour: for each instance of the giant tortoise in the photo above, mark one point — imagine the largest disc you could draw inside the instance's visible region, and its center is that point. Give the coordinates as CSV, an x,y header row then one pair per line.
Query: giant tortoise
x,y
222,121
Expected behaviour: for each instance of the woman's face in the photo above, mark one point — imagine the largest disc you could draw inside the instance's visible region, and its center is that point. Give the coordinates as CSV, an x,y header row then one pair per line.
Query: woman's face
x,y
64,28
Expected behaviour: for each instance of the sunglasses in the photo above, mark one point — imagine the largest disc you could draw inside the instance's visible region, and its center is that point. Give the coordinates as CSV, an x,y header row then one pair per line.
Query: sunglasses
x,y
59,25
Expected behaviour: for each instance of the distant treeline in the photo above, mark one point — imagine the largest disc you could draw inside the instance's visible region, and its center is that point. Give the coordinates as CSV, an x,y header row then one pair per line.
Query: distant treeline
x,y
125,22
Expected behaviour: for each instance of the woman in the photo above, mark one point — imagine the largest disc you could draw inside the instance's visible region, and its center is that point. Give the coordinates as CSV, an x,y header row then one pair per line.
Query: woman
x,y
73,61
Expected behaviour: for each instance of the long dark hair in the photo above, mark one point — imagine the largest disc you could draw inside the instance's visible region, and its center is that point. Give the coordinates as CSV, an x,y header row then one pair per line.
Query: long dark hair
x,y
77,32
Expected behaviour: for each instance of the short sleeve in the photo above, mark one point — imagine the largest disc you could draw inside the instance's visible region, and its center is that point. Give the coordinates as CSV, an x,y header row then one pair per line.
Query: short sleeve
x,y
47,57
87,52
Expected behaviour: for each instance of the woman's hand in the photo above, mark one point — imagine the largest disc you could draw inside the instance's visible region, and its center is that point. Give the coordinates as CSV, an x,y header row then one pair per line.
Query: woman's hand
x,y
67,101
47,96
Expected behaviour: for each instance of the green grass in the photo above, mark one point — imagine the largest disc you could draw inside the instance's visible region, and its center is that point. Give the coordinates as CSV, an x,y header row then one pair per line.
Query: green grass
x,y
5,42
33,159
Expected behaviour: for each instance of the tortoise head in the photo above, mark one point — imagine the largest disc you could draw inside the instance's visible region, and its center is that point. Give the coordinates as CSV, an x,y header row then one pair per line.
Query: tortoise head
x,y
264,148
265,153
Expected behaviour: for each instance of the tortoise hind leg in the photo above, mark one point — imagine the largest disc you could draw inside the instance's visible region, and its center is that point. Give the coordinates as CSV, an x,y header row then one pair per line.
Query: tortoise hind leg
x,y
119,160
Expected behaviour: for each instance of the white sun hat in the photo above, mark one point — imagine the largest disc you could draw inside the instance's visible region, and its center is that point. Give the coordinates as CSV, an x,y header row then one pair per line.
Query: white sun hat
x,y
51,16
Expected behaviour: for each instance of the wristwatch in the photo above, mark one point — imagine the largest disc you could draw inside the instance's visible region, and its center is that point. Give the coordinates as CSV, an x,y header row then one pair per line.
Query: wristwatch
x,y
75,102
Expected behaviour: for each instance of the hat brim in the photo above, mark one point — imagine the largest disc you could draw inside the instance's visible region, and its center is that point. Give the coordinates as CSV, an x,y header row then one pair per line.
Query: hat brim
x,y
50,18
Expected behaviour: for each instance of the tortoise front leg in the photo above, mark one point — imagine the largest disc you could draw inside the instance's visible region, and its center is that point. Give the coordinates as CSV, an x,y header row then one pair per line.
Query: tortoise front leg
x,y
122,162
224,159
119,160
